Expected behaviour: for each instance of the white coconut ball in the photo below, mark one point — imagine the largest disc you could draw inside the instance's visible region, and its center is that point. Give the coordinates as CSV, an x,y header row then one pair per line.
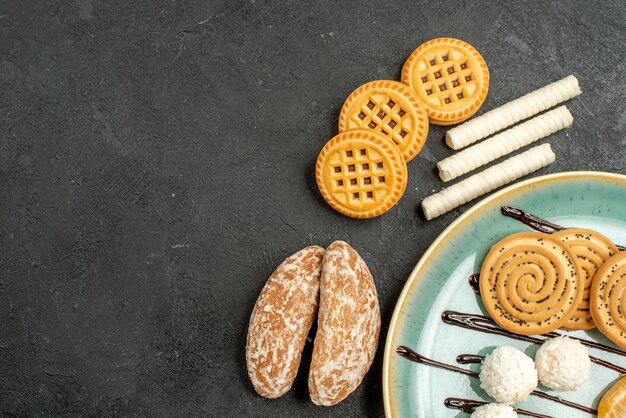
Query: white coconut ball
x,y
494,410
508,375
562,364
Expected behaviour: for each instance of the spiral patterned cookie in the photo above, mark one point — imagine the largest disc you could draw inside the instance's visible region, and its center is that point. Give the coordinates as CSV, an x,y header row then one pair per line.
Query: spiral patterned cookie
x,y
608,299
530,283
591,249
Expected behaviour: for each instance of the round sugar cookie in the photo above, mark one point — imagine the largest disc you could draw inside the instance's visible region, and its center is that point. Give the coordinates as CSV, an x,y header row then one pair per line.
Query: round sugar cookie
x,y
450,77
530,283
391,109
591,250
608,299
361,174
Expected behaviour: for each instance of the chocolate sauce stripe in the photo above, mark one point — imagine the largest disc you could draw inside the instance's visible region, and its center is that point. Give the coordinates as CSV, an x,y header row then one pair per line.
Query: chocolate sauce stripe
x,y
474,282
607,364
469,359
469,405
406,352
477,359
535,222
571,404
411,355
530,220
485,324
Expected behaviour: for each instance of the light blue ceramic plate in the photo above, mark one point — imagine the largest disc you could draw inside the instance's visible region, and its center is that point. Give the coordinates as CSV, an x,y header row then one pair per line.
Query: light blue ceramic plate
x,y
439,282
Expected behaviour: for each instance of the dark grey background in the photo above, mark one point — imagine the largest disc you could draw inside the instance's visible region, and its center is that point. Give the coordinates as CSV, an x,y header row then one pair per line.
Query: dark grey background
x,y
156,164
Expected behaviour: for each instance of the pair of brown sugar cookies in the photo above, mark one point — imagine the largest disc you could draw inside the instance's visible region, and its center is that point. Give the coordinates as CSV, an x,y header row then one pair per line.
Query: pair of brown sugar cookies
x,y
336,280
444,81
534,283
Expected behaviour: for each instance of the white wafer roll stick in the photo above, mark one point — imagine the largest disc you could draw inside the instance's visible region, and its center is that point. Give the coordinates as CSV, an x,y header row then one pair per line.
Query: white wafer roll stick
x,y
504,143
488,180
512,112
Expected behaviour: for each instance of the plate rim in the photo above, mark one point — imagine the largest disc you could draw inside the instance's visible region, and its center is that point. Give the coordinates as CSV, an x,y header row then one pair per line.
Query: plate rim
x,y
412,279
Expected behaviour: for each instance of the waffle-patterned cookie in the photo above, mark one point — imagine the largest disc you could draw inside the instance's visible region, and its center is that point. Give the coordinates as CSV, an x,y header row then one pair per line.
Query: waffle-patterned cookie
x,y
450,78
391,109
608,298
591,250
360,173
530,283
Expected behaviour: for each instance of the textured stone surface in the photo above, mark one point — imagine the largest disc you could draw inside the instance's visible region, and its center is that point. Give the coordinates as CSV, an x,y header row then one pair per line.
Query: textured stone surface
x,y
156,165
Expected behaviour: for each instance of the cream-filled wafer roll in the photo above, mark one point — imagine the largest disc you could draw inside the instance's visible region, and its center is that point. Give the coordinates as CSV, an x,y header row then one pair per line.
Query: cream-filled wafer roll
x,y
488,180
504,143
512,112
